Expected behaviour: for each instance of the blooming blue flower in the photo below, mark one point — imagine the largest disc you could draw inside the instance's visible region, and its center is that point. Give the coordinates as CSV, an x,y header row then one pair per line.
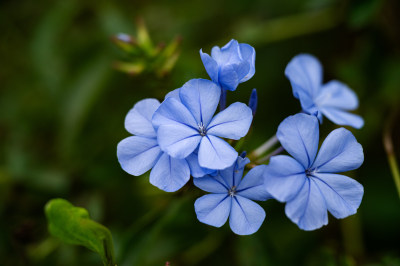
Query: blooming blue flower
x,y
138,154
231,196
186,124
230,65
332,99
307,182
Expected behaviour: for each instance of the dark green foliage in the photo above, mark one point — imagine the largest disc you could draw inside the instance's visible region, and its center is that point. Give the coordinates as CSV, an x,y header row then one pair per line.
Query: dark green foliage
x,y
63,105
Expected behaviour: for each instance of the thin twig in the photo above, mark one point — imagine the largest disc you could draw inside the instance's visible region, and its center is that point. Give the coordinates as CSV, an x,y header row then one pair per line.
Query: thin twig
x,y
264,147
388,145
268,156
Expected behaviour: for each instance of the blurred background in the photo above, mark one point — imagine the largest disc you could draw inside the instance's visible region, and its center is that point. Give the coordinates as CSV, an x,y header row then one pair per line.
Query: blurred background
x,y
66,85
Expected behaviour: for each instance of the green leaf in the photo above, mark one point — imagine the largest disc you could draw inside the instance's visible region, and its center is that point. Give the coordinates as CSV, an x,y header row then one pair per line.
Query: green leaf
x,y
73,226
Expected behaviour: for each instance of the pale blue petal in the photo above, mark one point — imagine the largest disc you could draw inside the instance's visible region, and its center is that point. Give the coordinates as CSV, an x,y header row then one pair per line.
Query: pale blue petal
x,y
173,94
305,74
229,54
338,95
195,169
210,65
246,216
233,122
234,173
252,185
213,209
241,69
173,112
340,152
179,140
343,118
170,174
138,120
239,169
215,153
299,136
137,154
249,55
308,209
228,77
342,194
211,184
284,177
201,98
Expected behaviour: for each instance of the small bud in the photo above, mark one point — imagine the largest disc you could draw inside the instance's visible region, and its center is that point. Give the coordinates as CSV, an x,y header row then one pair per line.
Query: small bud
x,y
253,101
243,154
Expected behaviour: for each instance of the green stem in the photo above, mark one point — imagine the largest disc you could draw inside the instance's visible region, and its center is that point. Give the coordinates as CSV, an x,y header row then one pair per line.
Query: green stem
x,y
264,147
388,145
268,156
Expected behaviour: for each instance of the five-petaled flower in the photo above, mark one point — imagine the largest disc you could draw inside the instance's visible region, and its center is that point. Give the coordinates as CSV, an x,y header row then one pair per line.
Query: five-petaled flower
x,y
185,124
332,99
231,196
230,65
307,182
138,154
181,137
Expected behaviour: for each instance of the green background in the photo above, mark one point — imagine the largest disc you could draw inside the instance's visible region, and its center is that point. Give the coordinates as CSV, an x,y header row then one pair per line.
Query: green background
x,y
63,105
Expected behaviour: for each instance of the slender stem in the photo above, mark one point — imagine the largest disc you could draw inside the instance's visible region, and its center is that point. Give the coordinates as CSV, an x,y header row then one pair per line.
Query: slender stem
x,y
395,171
268,156
222,99
264,147
388,144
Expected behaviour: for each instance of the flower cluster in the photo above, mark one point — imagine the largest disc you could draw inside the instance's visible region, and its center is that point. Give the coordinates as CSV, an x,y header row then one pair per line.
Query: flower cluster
x,y
184,136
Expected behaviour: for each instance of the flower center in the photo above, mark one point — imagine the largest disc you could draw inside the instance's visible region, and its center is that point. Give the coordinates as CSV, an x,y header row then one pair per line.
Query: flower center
x,y
310,172
232,191
202,129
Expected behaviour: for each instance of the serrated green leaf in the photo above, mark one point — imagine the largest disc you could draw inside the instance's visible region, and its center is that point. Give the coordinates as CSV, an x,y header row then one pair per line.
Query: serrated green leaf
x,y
73,226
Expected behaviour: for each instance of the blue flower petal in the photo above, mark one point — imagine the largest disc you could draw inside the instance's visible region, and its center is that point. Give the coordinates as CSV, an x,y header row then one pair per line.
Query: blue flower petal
x,y
138,120
241,69
211,184
201,98
340,152
173,94
210,65
308,209
343,118
342,194
170,174
299,136
249,55
229,54
173,112
284,177
215,153
234,173
137,154
246,216
213,209
338,95
305,74
252,185
178,140
233,122
195,169
228,77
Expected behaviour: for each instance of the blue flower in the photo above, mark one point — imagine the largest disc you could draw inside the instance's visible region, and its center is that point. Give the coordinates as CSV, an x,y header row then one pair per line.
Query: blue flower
x,y
230,65
138,154
332,99
307,182
232,197
186,123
